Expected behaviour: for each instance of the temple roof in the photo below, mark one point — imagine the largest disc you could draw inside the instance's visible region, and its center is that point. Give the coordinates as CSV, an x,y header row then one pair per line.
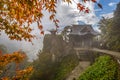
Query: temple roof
x,y
82,30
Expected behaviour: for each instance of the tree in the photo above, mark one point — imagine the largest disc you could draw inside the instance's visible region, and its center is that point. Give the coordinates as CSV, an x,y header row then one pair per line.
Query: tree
x,y
114,39
105,25
3,48
16,16
46,69
17,58
110,29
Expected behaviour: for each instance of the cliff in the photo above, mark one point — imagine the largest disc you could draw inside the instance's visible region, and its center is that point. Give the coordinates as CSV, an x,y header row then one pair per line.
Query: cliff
x,y
55,45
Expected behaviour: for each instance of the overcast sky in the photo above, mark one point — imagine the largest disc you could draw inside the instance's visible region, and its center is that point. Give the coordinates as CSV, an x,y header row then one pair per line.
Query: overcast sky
x,y
67,15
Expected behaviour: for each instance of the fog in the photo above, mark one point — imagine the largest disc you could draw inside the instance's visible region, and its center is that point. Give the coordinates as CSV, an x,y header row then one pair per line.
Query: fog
x,y
67,15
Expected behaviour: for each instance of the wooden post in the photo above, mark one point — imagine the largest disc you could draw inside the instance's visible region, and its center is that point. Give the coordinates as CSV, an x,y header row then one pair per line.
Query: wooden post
x,y
77,53
53,57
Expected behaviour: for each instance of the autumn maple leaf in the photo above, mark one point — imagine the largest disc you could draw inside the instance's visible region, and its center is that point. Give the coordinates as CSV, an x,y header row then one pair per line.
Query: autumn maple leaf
x,y
81,8
40,27
42,32
78,5
93,1
87,10
85,1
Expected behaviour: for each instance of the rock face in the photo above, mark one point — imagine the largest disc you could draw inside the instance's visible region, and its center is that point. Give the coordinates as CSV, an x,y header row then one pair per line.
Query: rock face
x,y
55,45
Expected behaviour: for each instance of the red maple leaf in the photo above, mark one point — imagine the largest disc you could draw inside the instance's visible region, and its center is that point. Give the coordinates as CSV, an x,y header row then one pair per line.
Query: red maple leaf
x,y
85,1
40,27
93,1
0,52
57,26
57,21
42,32
78,5
81,8
87,10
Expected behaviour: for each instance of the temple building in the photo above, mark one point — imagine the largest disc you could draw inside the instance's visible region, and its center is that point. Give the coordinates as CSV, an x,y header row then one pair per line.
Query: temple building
x,y
81,35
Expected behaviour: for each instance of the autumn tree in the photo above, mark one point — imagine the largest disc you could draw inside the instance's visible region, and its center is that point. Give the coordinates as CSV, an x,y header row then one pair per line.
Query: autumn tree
x,y
16,16
17,58
3,49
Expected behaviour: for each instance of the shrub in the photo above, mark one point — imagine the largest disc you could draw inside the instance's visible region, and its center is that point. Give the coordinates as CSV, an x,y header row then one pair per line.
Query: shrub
x,y
105,68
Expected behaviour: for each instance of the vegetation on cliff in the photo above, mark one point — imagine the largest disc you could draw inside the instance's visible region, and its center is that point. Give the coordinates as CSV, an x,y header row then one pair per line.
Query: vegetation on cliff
x,y
46,69
56,60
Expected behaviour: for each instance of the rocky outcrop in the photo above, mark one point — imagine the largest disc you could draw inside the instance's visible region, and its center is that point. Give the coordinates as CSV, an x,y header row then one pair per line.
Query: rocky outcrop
x,y
55,45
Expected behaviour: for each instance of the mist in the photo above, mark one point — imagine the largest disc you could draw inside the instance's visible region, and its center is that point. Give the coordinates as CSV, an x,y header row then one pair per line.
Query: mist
x,y
65,17
66,14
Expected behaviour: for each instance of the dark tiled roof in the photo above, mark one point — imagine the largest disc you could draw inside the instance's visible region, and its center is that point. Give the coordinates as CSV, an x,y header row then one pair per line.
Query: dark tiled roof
x,y
82,30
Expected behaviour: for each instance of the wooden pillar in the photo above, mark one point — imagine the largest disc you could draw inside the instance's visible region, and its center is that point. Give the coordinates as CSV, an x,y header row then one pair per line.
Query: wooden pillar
x,y
53,57
83,44
77,53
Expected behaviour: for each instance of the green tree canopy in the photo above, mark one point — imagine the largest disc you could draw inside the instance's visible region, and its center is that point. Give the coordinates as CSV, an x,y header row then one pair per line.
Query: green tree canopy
x,y
110,30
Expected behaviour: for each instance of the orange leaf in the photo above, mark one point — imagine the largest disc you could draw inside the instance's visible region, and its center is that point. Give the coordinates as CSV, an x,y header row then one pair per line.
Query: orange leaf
x,y
93,1
5,78
81,8
42,32
40,27
52,16
78,5
87,10
85,1
0,52
57,21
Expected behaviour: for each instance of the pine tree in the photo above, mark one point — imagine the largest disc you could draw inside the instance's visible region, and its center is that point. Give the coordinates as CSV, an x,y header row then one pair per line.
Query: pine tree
x,y
114,31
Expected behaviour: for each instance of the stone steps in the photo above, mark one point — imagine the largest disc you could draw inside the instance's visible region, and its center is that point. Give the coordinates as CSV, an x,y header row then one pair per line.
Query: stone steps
x,y
78,70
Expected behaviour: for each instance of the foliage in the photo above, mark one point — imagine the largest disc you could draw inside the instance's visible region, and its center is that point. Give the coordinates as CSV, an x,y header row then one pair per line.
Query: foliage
x,y
105,68
67,64
105,27
3,49
44,66
111,30
104,24
59,67
114,39
16,16
16,57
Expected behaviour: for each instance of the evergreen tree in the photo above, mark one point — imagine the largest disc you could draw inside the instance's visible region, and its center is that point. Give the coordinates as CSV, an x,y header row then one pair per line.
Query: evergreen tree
x,y
110,31
114,33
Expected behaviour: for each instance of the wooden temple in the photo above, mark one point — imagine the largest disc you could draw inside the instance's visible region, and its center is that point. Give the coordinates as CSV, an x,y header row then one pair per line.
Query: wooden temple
x,y
82,35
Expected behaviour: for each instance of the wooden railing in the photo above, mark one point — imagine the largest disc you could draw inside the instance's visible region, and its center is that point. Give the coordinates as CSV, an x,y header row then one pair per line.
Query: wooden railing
x,y
113,53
